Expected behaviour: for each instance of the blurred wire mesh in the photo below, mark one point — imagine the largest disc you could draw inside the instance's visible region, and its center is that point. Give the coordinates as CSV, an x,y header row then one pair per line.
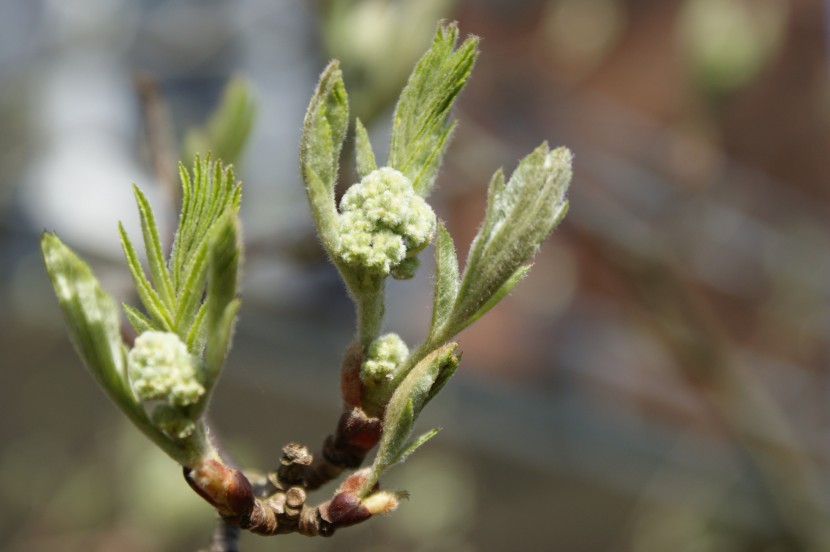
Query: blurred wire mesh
x,y
658,383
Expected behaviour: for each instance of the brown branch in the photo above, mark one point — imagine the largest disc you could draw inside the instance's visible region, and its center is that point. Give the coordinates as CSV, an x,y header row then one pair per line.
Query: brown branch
x,y
225,537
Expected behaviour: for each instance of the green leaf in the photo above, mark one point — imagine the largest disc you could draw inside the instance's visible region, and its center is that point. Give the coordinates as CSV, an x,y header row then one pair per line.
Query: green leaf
x,y
411,395
92,319
500,294
446,279
229,127
152,244
324,130
519,216
363,151
221,304
138,321
396,433
206,195
414,445
152,302
422,127
191,292
197,336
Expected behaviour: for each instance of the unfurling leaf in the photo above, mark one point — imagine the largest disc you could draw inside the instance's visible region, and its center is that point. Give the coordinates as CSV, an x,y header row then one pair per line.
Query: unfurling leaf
x,y
412,394
324,131
519,216
422,126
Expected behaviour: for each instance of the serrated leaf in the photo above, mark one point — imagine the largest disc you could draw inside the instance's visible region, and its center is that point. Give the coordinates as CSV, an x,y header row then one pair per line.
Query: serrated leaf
x,y
500,294
149,298
192,290
138,321
196,337
414,445
206,195
446,279
152,245
221,304
324,130
405,405
365,162
229,127
519,216
395,434
421,126
92,319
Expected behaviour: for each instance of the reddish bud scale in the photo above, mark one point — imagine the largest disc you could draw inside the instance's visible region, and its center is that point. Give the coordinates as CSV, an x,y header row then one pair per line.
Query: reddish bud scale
x,y
343,510
224,488
351,388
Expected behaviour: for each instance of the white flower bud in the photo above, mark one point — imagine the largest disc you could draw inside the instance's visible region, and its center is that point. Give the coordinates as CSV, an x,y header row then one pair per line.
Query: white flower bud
x,y
384,355
383,221
160,367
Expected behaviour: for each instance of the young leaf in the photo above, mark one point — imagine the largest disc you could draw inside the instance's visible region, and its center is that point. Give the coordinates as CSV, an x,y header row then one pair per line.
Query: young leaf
x,y
152,244
414,445
405,405
138,321
152,302
229,127
446,279
92,319
520,215
500,294
324,130
363,151
422,126
221,304
206,195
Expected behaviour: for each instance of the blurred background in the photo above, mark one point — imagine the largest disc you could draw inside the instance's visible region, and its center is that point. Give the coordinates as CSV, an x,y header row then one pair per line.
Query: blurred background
x,y
659,382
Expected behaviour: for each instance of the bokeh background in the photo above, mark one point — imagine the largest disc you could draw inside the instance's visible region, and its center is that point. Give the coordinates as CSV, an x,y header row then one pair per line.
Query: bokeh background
x,y
659,382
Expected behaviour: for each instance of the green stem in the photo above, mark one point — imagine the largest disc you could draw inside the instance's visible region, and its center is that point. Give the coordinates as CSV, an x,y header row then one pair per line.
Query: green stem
x,y
370,310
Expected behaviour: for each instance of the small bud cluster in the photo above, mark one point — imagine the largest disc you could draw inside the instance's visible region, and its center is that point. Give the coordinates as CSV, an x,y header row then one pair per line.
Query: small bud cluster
x,y
383,222
385,354
160,367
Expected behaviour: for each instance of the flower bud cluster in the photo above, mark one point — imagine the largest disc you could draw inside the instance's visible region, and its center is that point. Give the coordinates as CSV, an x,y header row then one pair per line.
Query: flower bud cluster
x,y
383,222
160,368
384,354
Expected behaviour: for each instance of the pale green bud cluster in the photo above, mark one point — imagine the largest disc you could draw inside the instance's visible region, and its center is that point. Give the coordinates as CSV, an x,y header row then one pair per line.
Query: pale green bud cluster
x,y
384,354
383,222
173,422
160,367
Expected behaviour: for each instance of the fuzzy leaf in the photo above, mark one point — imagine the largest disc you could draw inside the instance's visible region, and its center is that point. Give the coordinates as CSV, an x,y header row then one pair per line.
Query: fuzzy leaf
x,y
363,151
446,279
500,294
92,318
405,405
138,321
414,445
206,195
519,216
422,127
221,304
152,245
228,128
191,291
324,130
152,302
